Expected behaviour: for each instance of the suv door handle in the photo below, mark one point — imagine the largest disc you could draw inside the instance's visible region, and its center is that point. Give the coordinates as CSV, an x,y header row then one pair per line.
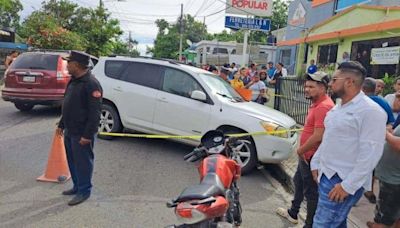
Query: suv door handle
x,y
163,99
117,89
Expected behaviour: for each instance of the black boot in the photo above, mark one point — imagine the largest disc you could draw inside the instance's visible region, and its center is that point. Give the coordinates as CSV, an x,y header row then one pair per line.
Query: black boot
x,y
78,199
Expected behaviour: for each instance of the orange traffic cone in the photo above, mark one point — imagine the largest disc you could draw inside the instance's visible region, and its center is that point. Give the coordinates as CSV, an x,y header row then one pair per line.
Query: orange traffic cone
x,y
57,166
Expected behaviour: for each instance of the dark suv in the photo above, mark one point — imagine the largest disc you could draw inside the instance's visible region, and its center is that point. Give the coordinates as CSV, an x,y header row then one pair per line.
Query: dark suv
x,y
37,78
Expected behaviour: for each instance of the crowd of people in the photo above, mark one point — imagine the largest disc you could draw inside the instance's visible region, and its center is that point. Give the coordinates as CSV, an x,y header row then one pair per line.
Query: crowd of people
x,y
343,146
255,78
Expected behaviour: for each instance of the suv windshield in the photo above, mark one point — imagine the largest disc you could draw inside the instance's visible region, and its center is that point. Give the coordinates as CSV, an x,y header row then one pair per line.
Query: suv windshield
x,y
220,87
38,61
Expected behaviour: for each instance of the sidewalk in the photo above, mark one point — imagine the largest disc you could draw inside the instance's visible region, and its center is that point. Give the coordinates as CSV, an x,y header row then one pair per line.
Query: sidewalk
x,y
359,215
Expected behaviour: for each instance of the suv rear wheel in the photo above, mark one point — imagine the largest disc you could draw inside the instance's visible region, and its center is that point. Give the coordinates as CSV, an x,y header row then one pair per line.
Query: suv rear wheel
x,y
109,121
23,107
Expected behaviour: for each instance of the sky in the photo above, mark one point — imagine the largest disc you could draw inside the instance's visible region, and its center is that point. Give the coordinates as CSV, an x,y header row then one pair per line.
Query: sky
x,y
138,16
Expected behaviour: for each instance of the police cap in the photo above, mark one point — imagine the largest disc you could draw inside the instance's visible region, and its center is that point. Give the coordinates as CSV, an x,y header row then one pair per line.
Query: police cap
x,y
79,57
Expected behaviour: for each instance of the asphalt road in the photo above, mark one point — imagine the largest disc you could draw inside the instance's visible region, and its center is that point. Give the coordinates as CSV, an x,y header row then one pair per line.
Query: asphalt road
x,y
133,179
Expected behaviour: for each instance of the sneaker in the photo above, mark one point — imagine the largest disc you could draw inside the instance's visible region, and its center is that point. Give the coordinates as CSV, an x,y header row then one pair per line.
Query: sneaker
x,y
285,214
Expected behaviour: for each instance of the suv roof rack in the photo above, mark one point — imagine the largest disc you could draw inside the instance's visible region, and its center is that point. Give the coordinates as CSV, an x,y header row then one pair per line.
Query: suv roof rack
x,y
176,62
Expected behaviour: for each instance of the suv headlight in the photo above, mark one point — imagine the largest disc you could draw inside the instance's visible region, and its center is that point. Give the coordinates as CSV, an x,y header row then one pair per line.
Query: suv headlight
x,y
275,129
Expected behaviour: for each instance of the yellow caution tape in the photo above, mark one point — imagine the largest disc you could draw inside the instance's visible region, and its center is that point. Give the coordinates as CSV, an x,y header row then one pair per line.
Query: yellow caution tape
x,y
193,136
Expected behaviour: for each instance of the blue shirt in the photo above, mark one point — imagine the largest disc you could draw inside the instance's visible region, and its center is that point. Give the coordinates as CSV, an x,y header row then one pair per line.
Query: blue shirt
x,y
271,72
312,69
385,105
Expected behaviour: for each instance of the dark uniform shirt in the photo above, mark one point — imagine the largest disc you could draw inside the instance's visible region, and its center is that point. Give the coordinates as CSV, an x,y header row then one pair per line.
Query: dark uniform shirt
x,y
82,106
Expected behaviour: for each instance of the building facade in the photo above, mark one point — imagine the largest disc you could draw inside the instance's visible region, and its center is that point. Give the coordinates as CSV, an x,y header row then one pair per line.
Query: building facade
x,y
306,19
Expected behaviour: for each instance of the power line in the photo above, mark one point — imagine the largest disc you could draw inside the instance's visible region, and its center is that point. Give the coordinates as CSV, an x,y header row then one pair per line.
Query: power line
x,y
202,5
188,5
146,15
213,21
210,5
212,14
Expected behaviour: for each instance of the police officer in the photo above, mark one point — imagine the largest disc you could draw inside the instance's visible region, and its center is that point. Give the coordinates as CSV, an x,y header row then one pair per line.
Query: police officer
x,y
79,122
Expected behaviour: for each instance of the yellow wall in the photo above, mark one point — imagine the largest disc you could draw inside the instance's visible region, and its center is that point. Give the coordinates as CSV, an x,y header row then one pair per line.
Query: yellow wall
x,y
345,45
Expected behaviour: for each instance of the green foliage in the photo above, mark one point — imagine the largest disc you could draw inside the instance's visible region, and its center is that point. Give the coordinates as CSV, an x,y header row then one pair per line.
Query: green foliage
x,y
123,48
96,26
9,16
224,36
389,82
61,24
43,31
166,44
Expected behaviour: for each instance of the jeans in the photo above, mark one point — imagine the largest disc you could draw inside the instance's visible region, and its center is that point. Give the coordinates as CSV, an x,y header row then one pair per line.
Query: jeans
x,y
304,186
329,213
80,162
388,207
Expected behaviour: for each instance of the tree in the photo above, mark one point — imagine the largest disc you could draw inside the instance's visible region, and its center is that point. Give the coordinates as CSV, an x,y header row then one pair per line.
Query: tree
x,y
94,30
43,31
166,44
279,15
96,26
9,10
63,11
125,48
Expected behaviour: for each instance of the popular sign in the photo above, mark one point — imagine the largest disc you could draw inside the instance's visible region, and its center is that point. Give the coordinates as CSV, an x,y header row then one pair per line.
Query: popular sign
x,y
259,24
262,8
385,56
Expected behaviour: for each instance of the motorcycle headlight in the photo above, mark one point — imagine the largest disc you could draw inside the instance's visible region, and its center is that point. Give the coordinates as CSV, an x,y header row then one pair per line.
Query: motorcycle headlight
x,y
275,129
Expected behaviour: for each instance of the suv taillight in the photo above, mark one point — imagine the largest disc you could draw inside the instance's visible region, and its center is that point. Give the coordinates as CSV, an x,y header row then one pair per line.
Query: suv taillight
x,y
61,75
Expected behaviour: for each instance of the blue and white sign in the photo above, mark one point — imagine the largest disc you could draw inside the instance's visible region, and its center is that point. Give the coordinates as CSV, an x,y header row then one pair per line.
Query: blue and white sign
x,y
259,24
344,4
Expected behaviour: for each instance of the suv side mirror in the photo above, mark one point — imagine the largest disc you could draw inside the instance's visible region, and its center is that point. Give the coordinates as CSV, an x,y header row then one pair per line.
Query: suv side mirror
x,y
198,95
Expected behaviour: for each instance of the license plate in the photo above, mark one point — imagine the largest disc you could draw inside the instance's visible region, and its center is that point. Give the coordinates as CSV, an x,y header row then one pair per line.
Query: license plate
x,y
28,79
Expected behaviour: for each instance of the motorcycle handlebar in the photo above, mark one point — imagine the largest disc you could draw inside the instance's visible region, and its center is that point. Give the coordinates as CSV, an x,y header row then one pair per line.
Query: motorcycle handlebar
x,y
195,155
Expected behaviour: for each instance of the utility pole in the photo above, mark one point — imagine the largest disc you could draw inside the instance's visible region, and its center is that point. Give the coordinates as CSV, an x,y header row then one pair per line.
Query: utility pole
x,y
130,42
181,34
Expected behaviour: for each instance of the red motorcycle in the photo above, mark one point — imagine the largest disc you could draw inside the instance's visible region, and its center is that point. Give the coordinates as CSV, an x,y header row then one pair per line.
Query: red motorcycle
x,y
215,201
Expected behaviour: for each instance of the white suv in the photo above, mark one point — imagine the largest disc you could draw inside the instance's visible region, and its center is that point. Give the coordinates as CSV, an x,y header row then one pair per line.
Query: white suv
x,y
164,97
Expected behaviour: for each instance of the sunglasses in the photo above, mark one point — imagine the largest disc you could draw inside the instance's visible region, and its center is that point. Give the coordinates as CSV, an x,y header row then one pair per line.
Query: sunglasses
x,y
334,79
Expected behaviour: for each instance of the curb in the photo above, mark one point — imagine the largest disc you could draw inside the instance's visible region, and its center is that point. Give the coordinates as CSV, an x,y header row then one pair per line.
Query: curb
x,y
283,174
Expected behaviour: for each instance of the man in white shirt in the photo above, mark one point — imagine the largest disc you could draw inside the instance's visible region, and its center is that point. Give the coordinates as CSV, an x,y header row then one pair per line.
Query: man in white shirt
x,y
351,147
390,97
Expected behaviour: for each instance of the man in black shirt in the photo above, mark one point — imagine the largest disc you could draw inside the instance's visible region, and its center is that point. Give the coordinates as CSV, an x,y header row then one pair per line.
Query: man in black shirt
x,y
79,123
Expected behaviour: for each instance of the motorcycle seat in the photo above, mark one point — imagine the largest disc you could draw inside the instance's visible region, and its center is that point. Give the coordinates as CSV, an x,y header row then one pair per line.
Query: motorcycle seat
x,y
210,186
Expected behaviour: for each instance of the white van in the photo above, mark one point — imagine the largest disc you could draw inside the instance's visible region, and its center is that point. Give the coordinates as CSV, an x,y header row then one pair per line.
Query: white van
x,y
163,97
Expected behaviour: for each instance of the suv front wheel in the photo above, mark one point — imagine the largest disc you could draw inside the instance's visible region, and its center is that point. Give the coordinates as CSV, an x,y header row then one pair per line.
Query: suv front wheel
x,y
109,121
247,157
23,107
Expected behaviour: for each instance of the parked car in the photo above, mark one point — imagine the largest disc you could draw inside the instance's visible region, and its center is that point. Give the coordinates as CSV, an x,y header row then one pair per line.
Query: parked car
x,y
37,78
164,97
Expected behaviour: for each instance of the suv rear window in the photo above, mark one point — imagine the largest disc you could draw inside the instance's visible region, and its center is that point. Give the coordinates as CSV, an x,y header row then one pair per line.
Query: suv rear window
x,y
113,69
143,74
37,61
